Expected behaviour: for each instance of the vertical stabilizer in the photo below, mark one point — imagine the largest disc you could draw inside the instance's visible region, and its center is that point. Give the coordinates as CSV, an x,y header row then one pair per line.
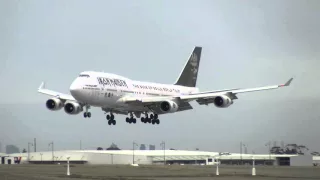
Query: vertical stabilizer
x,y
189,74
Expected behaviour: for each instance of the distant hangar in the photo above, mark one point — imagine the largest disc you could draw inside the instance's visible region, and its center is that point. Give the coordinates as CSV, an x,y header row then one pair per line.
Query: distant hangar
x,y
153,157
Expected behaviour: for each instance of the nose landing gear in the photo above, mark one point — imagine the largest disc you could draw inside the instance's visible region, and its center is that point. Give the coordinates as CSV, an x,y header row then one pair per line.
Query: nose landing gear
x,y
87,114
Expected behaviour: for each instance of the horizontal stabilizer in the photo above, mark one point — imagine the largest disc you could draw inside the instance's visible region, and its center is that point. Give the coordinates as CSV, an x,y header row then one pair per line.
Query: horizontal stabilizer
x,y
288,82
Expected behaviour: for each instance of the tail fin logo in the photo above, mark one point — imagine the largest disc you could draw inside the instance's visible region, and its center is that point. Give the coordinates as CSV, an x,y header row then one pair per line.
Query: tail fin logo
x,y
194,64
188,76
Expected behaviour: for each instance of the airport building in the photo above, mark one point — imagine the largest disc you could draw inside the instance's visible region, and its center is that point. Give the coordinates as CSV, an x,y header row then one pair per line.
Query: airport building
x,y
156,157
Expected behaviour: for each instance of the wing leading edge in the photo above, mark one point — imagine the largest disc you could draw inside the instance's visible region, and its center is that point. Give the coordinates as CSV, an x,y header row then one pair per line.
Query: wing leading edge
x,y
62,96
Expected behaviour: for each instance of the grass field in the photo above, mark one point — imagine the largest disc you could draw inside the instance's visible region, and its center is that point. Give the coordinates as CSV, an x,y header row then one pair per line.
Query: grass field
x,y
159,172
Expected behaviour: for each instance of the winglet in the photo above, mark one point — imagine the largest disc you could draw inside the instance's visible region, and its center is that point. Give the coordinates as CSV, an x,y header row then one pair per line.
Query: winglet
x,y
287,83
42,85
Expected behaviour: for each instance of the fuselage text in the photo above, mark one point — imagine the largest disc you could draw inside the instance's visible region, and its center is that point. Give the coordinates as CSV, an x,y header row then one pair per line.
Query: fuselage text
x,y
112,82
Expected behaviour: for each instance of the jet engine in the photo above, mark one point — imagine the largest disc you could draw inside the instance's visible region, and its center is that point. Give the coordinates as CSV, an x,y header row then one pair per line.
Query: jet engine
x,y
169,106
222,101
54,104
72,108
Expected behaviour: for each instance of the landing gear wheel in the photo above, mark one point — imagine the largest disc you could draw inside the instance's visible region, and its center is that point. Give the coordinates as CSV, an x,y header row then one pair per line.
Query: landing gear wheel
x,y
110,117
155,121
143,120
131,119
87,114
112,122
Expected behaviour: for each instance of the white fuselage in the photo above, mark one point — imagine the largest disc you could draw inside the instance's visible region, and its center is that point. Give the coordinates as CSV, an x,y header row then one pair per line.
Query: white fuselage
x,y
105,89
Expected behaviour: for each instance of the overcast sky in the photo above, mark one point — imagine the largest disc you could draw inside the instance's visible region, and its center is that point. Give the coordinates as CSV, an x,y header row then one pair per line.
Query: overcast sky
x,y
245,44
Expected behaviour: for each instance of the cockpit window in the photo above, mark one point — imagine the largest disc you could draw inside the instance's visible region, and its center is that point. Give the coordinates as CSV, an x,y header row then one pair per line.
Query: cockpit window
x,y
84,75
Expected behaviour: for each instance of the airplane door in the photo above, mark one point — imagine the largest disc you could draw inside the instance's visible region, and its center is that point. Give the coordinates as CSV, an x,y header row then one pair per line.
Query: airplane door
x,y
96,94
119,92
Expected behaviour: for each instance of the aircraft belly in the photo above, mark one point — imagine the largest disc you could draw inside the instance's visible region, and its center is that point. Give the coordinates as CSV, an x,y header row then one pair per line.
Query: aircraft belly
x,y
127,107
137,108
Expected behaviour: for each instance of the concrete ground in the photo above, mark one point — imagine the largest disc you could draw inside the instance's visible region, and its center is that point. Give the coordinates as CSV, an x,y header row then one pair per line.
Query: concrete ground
x,y
159,172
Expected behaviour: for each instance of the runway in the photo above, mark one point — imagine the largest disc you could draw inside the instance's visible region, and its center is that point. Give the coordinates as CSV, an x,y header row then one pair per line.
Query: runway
x,y
156,172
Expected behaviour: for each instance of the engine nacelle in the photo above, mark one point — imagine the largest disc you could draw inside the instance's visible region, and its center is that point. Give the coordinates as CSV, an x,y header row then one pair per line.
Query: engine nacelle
x,y
222,101
169,106
72,108
54,104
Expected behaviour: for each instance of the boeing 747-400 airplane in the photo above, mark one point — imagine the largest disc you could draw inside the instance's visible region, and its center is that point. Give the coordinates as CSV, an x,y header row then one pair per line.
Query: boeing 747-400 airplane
x,y
116,94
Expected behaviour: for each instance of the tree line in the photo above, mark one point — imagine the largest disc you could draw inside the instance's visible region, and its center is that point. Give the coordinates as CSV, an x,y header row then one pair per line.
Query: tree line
x,y
112,147
292,149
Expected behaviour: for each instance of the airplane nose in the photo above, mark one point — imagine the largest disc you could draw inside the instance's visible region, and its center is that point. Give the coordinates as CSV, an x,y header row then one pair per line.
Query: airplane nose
x,y
74,88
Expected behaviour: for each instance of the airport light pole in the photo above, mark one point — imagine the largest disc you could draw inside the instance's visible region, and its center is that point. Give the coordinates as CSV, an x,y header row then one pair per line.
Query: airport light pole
x,y
269,144
245,151
41,157
133,145
218,157
52,146
68,166
253,167
240,152
245,148
35,144
29,150
217,169
111,158
163,145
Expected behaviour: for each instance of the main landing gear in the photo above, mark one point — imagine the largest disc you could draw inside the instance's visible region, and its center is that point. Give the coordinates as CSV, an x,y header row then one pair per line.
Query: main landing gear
x,y
111,120
153,119
131,119
87,114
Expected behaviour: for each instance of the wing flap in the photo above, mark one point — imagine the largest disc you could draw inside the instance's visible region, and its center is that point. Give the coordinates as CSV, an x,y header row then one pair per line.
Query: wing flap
x,y
184,106
147,99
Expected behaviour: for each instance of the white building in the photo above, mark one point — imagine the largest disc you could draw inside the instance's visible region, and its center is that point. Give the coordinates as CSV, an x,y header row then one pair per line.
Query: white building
x,y
142,157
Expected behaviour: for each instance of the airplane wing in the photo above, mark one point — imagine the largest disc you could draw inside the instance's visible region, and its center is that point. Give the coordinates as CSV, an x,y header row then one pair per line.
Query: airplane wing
x,y
232,92
202,97
58,95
